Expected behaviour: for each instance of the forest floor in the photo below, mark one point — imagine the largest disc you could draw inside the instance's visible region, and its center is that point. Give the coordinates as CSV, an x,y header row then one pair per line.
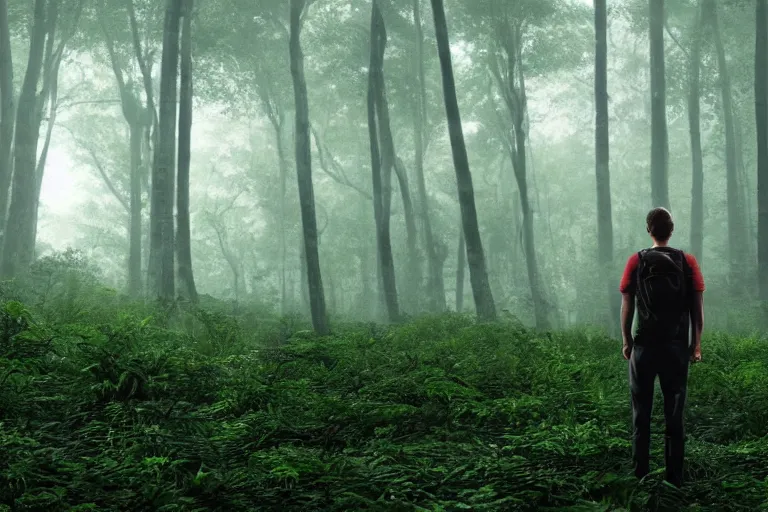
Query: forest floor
x,y
101,410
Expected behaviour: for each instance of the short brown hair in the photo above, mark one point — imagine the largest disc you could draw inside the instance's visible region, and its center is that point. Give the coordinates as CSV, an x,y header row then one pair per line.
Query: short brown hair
x,y
659,224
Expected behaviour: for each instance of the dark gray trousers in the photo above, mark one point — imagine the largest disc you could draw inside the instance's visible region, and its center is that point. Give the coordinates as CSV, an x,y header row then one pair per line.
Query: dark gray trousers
x,y
670,363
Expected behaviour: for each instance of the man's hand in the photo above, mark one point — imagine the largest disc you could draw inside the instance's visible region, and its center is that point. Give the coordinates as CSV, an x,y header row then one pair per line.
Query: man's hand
x,y
696,355
627,350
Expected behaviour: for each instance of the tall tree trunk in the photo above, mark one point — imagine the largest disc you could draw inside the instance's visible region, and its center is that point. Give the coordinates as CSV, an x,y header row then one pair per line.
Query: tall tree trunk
x,y
7,114
135,230
183,236
414,269
161,259
381,165
133,112
52,104
283,163
602,160
304,173
659,136
19,239
694,122
304,288
539,304
461,264
478,275
435,283
761,116
366,290
737,235
514,93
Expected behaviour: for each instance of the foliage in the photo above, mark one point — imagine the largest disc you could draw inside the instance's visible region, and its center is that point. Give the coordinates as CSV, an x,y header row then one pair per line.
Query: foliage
x,y
118,412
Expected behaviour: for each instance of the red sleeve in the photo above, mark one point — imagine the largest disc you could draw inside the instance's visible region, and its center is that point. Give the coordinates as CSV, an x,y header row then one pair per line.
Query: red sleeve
x,y
698,279
628,283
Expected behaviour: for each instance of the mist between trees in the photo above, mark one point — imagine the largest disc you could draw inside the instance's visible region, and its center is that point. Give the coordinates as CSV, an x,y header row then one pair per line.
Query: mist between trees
x,y
381,160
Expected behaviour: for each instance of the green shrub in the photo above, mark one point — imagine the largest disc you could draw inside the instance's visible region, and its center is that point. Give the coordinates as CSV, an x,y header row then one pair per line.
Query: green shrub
x,y
117,406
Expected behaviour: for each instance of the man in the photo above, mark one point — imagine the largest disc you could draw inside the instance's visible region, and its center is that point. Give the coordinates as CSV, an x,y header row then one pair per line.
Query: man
x,y
668,287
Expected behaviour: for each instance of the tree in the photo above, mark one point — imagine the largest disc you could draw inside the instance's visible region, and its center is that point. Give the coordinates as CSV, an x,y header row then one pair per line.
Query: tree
x,y
761,117
602,153
183,235
7,97
19,240
507,68
304,171
659,137
461,265
161,249
139,121
738,255
435,282
478,275
382,152
694,122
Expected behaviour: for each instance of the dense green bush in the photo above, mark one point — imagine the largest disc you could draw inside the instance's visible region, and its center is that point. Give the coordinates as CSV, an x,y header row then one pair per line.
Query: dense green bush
x,y
123,409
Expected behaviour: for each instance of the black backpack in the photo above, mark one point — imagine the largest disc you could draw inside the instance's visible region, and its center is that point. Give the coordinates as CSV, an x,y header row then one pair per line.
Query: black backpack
x,y
663,292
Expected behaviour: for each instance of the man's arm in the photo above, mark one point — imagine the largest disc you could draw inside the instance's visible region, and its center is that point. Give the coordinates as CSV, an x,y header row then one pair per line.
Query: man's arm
x,y
697,323
627,316
697,307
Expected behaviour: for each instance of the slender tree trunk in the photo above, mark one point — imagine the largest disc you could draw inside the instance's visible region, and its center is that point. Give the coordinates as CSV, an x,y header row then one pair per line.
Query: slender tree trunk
x,y
161,259
283,163
602,160
478,275
183,237
135,232
737,237
304,289
381,165
516,100
435,283
414,271
304,173
133,113
694,122
52,104
761,116
537,295
461,264
659,136
19,240
7,113
366,290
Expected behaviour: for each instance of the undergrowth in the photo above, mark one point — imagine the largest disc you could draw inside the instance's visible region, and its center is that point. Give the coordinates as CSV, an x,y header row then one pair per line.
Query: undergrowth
x,y
126,412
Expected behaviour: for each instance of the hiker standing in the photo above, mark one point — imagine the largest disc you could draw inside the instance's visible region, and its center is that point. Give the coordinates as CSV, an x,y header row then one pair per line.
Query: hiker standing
x,y
668,287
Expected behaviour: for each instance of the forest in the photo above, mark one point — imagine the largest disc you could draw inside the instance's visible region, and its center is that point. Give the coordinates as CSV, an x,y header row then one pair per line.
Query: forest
x,y
365,254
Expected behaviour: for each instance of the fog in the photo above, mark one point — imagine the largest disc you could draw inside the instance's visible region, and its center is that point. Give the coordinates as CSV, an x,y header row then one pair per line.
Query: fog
x,y
247,244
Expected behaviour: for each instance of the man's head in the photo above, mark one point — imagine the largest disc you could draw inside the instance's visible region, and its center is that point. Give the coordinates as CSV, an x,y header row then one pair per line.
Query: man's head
x,y
659,224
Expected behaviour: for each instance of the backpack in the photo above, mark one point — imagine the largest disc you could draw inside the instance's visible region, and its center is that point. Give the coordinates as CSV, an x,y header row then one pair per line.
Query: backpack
x,y
663,292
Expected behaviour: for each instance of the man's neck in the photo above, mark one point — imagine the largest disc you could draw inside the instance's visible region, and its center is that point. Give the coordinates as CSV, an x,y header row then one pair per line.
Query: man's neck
x,y
660,244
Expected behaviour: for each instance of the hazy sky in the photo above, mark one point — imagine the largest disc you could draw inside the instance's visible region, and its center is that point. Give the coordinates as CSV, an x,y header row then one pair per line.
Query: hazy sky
x,y
65,187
